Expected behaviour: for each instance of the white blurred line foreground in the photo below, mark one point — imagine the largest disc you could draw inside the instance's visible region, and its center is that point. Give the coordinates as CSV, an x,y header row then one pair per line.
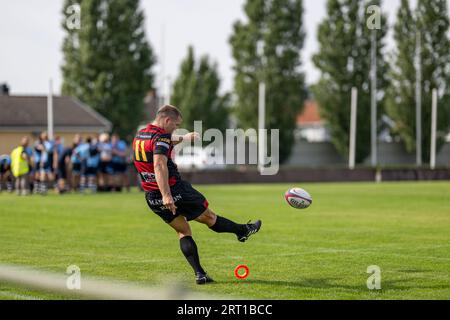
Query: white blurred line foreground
x,y
93,289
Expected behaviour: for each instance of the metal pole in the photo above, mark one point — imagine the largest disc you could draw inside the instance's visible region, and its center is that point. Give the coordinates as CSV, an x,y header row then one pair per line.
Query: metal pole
x,y
373,107
167,90
418,100
50,111
261,126
163,65
352,148
433,129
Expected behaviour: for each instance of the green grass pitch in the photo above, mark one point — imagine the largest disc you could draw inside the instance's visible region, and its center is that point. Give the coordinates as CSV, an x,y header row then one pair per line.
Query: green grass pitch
x,y
319,253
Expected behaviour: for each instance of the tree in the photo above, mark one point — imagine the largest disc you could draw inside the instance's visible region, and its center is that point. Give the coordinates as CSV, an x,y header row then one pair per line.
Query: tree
x,y
431,20
196,93
344,60
267,48
401,101
108,61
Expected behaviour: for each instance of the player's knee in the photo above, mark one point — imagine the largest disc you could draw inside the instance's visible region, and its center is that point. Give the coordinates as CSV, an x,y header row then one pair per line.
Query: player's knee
x,y
208,218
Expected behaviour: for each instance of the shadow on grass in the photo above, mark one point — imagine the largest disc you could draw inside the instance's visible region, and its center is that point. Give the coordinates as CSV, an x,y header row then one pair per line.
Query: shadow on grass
x,y
414,271
330,283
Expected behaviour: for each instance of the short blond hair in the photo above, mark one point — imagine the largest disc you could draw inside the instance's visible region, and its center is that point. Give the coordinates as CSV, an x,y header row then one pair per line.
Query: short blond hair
x,y
169,111
103,138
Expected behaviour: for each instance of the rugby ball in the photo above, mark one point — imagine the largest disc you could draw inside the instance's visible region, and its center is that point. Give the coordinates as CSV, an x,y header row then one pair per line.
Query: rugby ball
x,y
298,198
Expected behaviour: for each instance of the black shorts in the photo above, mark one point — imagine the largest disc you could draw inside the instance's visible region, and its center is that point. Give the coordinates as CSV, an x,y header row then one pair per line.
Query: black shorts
x,y
43,167
89,171
4,168
106,167
189,202
62,172
76,168
119,167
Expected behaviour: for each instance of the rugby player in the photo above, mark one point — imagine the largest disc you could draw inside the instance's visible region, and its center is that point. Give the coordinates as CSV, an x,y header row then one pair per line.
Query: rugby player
x,y
172,198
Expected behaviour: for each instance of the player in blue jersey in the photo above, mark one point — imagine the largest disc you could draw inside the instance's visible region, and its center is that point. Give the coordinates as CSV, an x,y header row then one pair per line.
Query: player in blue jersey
x,y
91,166
106,169
5,173
119,163
75,162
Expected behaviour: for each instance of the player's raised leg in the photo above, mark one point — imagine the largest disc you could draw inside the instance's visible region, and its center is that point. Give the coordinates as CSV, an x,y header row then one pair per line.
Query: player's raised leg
x,y
189,249
223,225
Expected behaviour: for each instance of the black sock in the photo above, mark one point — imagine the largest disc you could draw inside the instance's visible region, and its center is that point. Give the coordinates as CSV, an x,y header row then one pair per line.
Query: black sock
x,y
224,225
189,249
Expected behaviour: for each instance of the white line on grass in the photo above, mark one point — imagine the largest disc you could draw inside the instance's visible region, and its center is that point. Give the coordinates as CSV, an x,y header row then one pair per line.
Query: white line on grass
x,y
18,296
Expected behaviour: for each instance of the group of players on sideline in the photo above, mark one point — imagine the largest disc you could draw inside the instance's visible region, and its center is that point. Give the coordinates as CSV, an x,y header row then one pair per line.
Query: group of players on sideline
x,y
97,163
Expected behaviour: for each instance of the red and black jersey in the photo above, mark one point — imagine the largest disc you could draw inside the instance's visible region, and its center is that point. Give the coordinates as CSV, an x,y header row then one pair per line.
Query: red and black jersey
x,y
149,141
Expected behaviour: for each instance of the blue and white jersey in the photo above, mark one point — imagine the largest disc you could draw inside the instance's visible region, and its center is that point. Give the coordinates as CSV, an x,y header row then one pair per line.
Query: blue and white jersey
x,y
74,159
59,148
49,146
40,155
81,152
105,151
93,159
5,159
29,152
49,149
119,146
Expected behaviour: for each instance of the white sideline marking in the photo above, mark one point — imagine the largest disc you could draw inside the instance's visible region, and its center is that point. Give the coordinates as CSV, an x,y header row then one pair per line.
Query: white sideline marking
x,y
18,296
93,288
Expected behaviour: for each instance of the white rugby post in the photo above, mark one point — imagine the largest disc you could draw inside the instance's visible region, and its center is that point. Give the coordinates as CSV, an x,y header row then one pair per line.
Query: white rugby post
x,y
162,61
433,129
167,90
373,103
353,114
50,111
418,100
261,126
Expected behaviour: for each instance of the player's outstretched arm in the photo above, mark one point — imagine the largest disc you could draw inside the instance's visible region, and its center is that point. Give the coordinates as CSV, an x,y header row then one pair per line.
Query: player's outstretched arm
x,y
191,136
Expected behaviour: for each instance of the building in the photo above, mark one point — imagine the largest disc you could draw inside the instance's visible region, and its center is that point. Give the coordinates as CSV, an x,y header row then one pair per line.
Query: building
x,y
27,116
310,126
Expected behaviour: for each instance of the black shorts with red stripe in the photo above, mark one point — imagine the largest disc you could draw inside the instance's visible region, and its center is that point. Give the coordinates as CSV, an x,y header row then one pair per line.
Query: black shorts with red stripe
x,y
189,202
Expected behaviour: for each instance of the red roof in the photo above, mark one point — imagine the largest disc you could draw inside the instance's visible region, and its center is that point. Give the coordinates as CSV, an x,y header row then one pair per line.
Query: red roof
x,y
310,114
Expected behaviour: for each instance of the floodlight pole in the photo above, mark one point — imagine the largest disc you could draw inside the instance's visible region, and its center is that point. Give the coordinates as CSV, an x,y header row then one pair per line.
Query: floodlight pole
x,y
261,125
261,110
352,147
373,108
50,111
418,100
167,90
433,129
162,64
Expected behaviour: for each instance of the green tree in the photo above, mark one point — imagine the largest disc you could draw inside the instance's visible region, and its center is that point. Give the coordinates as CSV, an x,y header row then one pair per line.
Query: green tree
x,y
432,21
344,60
108,61
267,48
401,101
196,93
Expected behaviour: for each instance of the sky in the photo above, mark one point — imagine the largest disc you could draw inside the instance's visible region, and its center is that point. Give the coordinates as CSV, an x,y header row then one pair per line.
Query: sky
x,y
31,38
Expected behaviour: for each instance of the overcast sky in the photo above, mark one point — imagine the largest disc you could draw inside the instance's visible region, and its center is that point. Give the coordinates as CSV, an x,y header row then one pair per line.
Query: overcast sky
x,y
31,37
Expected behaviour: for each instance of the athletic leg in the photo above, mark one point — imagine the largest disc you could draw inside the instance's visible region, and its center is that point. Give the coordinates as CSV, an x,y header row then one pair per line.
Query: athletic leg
x,y
223,225
23,185
189,248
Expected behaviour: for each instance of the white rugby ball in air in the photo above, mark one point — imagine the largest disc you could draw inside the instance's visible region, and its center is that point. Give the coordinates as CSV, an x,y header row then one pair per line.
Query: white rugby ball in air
x,y
298,198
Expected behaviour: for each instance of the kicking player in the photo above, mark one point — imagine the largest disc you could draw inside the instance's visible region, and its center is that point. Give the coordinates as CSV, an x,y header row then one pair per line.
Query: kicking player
x,y
172,198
